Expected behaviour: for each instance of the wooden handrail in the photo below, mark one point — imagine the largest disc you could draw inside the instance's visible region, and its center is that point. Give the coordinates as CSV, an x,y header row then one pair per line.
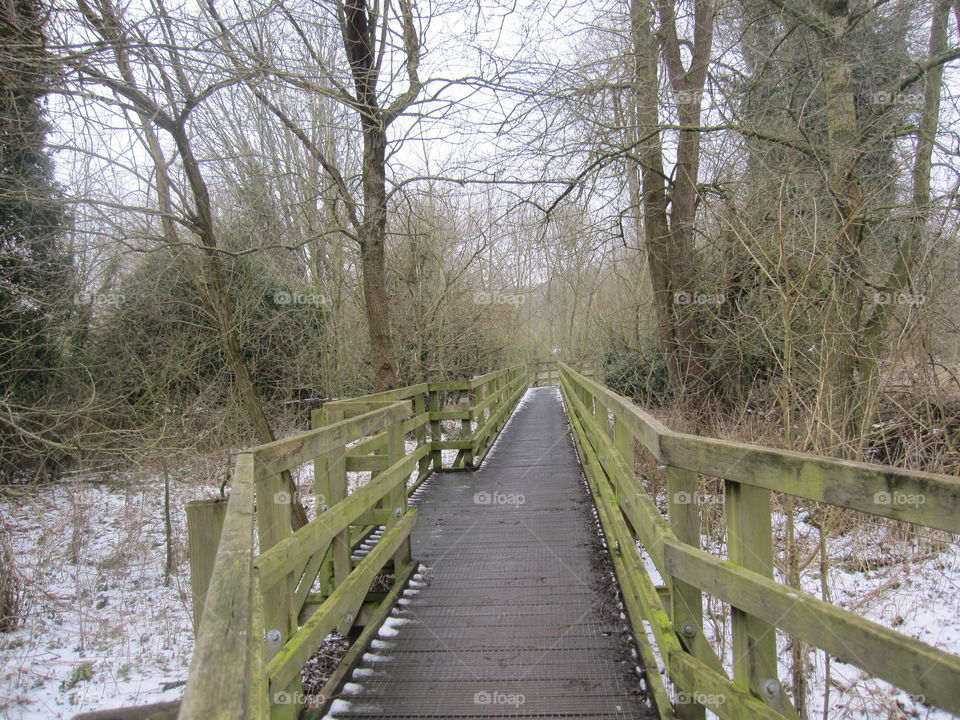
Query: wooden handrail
x,y
254,633
745,579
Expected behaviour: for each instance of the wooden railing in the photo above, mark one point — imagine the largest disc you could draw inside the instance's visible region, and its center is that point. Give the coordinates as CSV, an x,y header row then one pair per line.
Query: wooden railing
x,y
607,427
276,593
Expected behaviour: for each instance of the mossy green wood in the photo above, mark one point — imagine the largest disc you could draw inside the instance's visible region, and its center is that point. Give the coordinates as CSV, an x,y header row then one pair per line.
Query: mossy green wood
x,y
644,516
631,598
907,663
215,689
908,495
715,691
646,428
360,645
315,536
686,604
750,545
288,453
340,609
436,429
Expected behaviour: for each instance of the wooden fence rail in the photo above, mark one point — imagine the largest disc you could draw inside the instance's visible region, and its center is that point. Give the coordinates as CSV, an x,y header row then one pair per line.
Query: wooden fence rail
x,y
607,427
275,593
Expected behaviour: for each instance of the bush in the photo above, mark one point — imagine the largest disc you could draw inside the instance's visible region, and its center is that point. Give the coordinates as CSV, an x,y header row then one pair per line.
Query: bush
x,y
640,374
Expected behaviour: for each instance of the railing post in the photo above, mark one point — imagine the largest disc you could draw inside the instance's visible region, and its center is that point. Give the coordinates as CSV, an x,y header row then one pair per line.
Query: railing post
x,y
419,408
436,430
204,524
273,508
466,428
397,499
686,603
330,487
750,545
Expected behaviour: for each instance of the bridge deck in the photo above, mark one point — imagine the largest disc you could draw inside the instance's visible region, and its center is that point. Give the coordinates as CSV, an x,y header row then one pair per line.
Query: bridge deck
x,y
511,617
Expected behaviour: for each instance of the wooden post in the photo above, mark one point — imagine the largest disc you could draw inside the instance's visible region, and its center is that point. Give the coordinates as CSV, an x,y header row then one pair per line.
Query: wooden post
x,y
686,603
204,524
330,487
466,429
436,430
750,545
398,499
419,408
280,617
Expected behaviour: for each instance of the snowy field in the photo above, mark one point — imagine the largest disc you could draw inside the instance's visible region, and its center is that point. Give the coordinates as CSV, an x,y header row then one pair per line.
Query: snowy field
x,y
103,628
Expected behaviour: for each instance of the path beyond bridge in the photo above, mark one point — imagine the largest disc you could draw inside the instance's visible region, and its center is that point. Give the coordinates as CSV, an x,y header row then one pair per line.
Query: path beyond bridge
x,y
510,617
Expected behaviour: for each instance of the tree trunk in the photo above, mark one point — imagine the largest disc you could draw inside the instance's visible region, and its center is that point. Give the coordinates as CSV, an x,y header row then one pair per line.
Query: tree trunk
x,y
373,233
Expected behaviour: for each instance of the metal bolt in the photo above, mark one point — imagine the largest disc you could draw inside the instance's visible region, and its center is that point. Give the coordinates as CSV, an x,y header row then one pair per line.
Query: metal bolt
x,y
348,618
324,507
603,458
688,629
274,636
397,512
771,687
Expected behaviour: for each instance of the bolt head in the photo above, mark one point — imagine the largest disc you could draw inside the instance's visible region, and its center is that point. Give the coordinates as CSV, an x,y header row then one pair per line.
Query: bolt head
x,y
770,687
688,629
274,636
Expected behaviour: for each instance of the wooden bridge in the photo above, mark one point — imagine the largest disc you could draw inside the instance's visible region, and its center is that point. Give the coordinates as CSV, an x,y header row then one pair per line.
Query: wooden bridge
x,y
490,587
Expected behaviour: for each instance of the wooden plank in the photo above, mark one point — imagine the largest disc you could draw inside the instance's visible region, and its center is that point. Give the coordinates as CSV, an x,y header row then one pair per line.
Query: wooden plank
x,y
214,687
404,393
642,513
273,458
715,691
644,516
907,663
436,430
646,428
631,595
451,415
204,524
482,444
908,495
359,646
750,545
340,609
686,604
366,463
316,535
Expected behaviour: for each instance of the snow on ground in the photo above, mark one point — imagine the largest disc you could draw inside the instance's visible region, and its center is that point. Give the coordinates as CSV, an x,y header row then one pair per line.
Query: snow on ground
x,y
906,581
102,628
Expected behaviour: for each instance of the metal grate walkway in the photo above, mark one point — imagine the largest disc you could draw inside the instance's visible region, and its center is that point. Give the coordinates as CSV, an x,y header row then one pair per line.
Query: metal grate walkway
x,y
509,617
